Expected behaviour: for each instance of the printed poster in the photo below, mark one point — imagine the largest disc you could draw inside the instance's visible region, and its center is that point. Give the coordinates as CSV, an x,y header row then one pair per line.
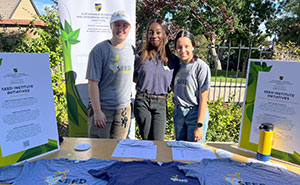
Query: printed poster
x,y
27,114
273,96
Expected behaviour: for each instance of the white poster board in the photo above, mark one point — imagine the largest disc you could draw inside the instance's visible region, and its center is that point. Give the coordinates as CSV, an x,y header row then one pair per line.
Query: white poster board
x,y
273,96
83,25
27,114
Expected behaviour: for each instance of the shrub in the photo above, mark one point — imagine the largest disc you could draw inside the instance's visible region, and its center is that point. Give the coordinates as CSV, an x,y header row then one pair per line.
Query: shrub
x,y
287,51
169,134
224,121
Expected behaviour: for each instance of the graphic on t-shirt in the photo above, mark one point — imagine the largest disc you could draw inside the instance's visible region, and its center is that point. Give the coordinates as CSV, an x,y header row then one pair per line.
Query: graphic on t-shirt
x,y
234,179
61,178
114,65
58,177
181,79
176,179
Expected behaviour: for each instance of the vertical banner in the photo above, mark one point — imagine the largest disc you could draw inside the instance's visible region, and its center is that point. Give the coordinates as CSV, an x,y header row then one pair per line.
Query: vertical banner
x,y
27,113
83,25
273,96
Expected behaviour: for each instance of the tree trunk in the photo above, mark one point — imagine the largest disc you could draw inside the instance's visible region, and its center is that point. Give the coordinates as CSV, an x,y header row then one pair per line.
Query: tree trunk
x,y
213,51
215,58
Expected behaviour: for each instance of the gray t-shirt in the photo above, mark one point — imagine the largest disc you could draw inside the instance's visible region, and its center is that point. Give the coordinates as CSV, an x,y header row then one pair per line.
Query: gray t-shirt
x,y
58,171
113,68
192,78
228,172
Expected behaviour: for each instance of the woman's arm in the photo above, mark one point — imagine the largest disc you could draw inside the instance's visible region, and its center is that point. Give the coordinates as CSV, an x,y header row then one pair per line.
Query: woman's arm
x,y
203,97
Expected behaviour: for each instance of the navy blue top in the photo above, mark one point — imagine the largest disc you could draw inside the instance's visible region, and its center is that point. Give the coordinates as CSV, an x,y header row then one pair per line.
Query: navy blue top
x,y
143,172
153,77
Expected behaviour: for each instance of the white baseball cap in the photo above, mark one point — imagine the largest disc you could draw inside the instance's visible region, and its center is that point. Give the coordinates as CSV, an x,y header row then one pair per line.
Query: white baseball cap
x,y
120,16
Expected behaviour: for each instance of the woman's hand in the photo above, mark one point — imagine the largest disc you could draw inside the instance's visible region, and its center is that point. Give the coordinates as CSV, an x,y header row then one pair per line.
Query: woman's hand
x,y
198,133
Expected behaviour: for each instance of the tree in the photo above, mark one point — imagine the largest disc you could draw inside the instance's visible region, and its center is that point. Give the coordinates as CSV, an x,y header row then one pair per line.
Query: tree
x,y
286,26
48,41
218,20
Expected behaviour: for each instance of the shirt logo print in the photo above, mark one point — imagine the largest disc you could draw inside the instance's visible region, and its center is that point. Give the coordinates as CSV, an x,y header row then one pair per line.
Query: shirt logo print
x,y
54,179
114,65
234,179
176,179
182,82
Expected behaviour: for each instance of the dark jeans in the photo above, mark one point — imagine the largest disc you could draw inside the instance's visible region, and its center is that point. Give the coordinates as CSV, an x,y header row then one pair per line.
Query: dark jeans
x,y
151,115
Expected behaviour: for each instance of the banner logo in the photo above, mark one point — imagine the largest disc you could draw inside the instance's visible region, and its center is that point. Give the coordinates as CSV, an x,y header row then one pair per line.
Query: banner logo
x,y
281,77
15,70
98,7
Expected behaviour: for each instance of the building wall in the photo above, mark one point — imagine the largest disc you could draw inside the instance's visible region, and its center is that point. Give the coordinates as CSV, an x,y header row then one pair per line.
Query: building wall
x,y
23,14
24,11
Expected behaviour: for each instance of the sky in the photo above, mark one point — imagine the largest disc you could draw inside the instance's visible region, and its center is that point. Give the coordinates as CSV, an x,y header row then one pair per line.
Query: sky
x,y
40,4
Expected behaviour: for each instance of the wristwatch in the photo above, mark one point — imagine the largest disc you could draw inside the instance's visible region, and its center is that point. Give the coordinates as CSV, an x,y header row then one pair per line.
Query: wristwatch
x,y
199,124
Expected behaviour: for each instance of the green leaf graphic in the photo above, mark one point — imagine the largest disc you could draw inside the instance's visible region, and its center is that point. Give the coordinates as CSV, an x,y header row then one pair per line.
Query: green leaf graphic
x,y
38,150
72,108
0,61
73,41
74,34
268,69
264,65
249,112
258,68
292,158
64,35
68,27
250,79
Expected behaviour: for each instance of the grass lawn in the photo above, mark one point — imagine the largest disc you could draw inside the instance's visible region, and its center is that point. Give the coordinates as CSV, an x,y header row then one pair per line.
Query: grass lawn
x,y
232,76
229,79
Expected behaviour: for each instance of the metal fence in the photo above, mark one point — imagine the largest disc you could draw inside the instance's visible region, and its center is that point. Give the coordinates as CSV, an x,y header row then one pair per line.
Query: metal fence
x,y
230,82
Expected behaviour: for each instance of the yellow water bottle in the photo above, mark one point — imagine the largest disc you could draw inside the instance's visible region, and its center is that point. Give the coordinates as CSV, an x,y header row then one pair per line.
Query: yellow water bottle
x,y
264,146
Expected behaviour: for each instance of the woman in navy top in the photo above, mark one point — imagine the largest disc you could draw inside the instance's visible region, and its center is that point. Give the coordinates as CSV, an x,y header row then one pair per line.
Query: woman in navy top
x,y
153,74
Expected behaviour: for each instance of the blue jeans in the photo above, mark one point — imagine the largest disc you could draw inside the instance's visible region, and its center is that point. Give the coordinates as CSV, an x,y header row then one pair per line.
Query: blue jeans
x,y
185,120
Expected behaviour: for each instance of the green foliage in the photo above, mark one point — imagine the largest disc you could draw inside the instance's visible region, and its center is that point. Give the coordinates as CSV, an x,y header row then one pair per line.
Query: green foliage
x,y
9,40
48,41
170,135
224,121
286,25
287,51
200,40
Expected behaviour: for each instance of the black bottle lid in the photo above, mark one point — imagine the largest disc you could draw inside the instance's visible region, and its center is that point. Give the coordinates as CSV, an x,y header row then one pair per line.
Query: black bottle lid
x,y
266,126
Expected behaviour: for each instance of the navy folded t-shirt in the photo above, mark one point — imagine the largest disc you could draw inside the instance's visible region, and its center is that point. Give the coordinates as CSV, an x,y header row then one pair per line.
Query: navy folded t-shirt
x,y
143,172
